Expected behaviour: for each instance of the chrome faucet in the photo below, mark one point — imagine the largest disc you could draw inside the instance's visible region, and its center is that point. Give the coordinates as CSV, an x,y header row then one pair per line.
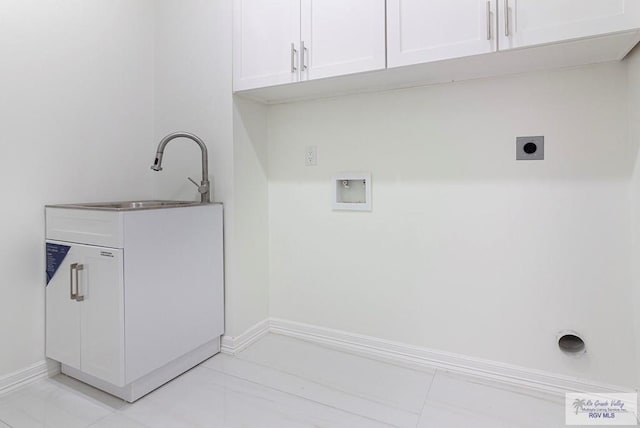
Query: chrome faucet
x,y
204,187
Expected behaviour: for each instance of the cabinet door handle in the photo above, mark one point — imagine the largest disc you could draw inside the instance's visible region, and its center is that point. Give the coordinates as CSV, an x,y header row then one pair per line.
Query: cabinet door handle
x,y
74,277
506,18
303,56
489,20
293,58
79,297
72,269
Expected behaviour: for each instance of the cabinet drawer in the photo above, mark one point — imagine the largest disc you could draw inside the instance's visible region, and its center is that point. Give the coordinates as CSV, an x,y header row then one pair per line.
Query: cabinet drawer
x,y
85,227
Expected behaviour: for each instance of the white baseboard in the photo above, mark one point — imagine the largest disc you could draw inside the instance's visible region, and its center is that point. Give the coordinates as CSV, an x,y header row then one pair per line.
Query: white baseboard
x,y
234,344
371,347
420,357
33,373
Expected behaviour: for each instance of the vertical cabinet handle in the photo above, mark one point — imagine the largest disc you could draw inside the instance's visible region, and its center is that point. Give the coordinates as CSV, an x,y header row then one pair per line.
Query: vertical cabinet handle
x,y
293,58
74,277
506,18
303,56
79,297
489,20
72,269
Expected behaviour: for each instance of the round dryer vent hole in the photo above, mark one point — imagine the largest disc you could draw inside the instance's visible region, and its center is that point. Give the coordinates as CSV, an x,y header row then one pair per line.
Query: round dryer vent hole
x,y
530,148
571,343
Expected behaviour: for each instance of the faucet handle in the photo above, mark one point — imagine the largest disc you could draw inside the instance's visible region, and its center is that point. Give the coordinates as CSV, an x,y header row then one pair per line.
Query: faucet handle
x,y
202,188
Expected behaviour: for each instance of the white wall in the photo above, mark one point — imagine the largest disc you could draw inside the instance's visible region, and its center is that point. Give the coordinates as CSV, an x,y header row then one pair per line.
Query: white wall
x,y
503,254
248,272
466,250
88,90
633,64
76,85
193,93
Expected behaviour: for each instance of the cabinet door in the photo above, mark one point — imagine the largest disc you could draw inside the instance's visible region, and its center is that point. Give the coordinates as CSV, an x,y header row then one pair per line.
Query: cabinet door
x,y
534,22
101,284
62,312
86,332
266,38
430,30
342,37
101,287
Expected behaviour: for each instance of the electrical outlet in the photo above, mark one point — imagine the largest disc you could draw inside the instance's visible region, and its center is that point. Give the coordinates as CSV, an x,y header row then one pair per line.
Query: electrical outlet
x,y
311,156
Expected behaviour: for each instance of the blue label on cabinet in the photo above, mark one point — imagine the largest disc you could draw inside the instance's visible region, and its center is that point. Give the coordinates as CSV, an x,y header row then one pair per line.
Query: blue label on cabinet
x,y
55,256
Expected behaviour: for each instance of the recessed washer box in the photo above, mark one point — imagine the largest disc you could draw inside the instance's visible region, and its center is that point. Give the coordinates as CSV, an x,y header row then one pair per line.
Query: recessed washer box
x,y
530,148
352,191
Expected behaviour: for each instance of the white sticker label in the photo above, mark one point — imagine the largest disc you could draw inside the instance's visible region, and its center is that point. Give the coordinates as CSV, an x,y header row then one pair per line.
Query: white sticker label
x,y
601,409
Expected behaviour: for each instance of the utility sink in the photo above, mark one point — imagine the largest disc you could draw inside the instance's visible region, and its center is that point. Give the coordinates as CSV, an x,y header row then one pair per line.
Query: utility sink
x,y
128,205
135,291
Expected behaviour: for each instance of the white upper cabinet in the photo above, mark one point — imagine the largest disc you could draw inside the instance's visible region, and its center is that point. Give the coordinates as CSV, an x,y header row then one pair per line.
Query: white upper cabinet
x,y
285,41
535,22
420,31
341,37
419,41
266,39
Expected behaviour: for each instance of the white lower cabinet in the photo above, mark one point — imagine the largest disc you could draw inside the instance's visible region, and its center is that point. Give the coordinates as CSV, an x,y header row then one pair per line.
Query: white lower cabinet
x,y
133,298
85,309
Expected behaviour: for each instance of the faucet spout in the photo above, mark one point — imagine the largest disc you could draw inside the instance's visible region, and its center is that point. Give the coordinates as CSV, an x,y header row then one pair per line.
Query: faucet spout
x,y
205,187
157,164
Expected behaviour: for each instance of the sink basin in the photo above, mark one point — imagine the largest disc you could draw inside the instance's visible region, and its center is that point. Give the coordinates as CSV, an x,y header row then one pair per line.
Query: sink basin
x,y
129,205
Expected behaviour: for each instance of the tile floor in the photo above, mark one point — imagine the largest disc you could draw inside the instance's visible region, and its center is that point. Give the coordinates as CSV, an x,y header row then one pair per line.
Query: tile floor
x,y
283,382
